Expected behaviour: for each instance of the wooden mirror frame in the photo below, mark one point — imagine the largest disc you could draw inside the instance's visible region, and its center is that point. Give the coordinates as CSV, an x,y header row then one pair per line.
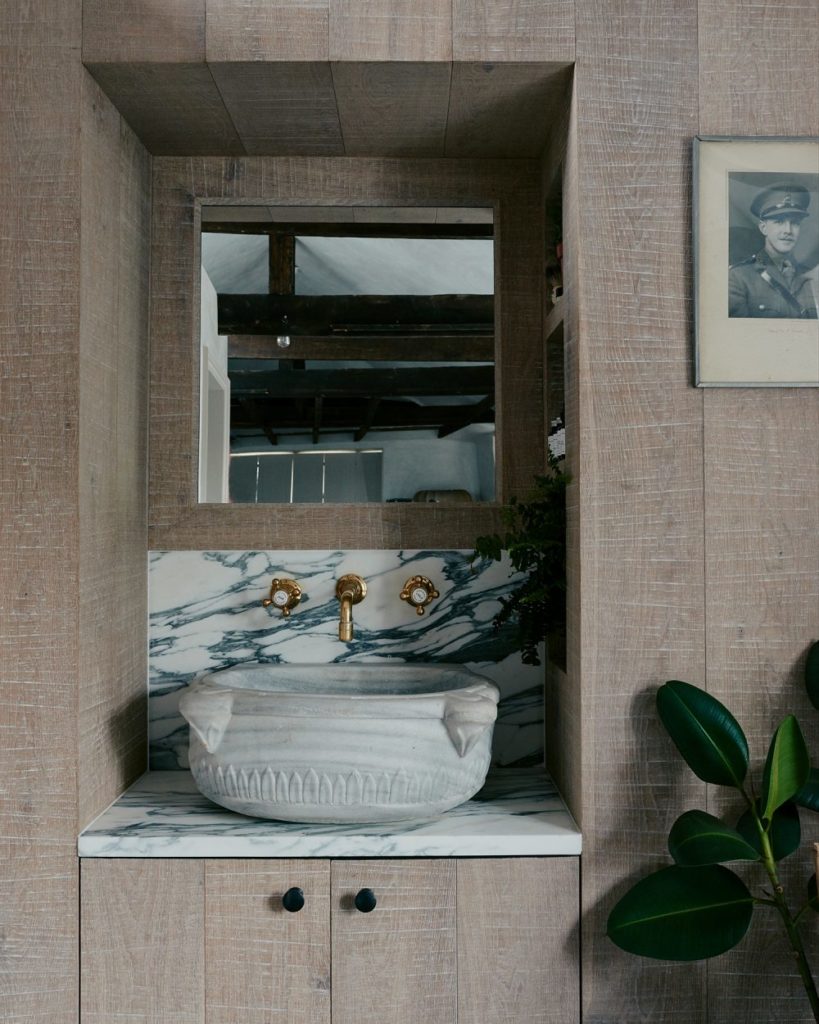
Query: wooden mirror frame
x,y
181,186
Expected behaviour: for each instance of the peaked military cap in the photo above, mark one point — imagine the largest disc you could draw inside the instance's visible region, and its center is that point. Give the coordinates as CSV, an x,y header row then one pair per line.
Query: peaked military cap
x,y
784,199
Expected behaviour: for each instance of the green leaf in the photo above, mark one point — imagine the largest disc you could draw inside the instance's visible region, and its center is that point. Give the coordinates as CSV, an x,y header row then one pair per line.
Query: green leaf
x,y
705,733
812,674
698,838
786,767
808,795
784,832
682,913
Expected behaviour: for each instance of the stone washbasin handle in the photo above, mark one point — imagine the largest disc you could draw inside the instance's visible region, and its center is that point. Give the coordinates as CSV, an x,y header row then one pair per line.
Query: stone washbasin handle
x,y
468,714
208,715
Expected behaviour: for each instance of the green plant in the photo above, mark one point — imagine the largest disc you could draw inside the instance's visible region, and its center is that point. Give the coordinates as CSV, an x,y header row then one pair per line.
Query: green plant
x,y
696,908
535,539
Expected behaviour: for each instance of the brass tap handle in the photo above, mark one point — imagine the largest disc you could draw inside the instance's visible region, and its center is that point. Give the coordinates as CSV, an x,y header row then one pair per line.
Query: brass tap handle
x,y
419,591
284,594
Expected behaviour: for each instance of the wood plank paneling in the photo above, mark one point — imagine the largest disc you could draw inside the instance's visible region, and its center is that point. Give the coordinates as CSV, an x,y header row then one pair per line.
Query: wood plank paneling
x,y
761,490
281,108
517,30
397,964
177,521
417,30
264,963
113,452
173,108
267,30
639,468
128,31
143,941
40,76
392,109
518,940
503,110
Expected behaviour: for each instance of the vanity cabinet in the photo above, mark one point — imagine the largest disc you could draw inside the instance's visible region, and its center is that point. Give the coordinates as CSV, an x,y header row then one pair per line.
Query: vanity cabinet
x,y
449,941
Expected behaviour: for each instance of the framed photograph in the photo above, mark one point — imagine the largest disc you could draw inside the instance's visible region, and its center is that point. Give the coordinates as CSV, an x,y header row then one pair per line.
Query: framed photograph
x,y
756,262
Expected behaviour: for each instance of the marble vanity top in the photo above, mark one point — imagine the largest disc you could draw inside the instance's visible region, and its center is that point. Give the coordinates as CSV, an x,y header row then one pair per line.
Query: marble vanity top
x,y
517,813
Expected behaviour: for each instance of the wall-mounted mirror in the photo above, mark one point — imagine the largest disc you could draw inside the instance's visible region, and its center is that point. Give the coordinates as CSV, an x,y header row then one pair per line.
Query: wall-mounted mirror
x,y
347,355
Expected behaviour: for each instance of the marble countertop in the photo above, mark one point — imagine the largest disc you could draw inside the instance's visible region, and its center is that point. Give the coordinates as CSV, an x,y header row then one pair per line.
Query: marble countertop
x,y
518,813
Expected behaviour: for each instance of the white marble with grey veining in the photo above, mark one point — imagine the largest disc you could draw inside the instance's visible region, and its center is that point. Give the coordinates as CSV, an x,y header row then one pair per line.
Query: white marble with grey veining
x,y
206,614
517,813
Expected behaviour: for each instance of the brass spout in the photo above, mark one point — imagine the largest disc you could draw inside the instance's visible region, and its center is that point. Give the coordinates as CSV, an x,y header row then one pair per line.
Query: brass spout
x,y
350,590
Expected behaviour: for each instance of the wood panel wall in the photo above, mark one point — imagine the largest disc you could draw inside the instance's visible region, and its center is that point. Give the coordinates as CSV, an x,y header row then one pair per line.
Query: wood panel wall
x,y
511,187
40,77
114,308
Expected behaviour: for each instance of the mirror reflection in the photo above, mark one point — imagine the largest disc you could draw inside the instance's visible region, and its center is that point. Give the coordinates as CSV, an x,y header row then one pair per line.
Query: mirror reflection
x,y
347,355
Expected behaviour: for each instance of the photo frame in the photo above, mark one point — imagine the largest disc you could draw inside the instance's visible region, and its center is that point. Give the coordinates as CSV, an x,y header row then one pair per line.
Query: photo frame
x,y
756,262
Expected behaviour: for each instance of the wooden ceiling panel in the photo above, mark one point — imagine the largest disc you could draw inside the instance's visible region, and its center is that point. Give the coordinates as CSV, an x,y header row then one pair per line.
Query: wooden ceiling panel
x,y
274,30
123,31
392,109
500,30
503,110
173,108
236,214
281,109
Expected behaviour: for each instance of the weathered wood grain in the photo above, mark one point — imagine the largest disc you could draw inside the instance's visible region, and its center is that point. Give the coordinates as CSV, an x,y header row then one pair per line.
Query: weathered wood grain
x,y
143,941
40,78
113,453
761,490
260,30
390,30
281,108
133,31
172,107
639,470
518,940
511,187
398,964
264,963
392,109
516,30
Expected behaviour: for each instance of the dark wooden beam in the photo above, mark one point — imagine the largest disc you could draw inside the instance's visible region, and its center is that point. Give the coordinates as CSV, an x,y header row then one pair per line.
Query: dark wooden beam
x,y
369,416
468,414
348,229
317,404
320,315
444,348
369,383
282,264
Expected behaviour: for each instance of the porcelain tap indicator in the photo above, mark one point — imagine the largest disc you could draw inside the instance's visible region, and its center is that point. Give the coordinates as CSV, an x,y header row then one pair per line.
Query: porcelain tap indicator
x,y
284,594
419,591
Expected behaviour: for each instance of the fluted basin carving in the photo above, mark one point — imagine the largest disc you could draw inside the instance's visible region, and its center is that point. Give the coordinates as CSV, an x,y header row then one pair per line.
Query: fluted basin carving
x,y
340,743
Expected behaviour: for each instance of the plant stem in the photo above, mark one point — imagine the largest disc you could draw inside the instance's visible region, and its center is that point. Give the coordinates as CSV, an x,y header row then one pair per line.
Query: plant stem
x,y
794,937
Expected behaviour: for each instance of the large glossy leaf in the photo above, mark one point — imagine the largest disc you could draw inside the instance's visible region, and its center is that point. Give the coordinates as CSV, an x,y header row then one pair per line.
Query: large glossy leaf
x,y
786,767
784,833
698,838
812,674
705,733
808,795
682,913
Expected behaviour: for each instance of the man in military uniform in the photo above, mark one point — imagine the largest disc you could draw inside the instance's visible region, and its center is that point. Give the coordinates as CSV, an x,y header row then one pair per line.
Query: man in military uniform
x,y
771,283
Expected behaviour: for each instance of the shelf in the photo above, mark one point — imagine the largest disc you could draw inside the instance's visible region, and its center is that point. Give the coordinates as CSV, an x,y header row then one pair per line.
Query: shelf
x,y
517,813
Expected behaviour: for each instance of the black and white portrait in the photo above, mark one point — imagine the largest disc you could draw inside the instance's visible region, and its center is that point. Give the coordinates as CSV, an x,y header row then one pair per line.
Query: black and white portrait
x,y
773,245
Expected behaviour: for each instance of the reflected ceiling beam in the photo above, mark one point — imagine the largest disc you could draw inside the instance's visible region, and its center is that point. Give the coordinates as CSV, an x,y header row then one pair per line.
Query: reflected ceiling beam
x,y
348,229
445,348
282,265
317,407
390,416
319,315
468,414
369,416
369,383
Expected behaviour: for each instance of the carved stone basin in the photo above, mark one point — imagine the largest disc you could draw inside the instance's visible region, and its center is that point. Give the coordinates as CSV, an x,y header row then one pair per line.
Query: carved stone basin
x,y
340,743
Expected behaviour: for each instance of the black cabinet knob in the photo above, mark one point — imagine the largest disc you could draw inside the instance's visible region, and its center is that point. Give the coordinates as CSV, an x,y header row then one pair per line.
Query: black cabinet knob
x,y
365,900
293,900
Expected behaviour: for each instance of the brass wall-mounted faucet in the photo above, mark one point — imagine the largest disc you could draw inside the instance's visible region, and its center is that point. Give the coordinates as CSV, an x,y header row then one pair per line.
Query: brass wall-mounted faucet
x,y
284,595
350,589
418,592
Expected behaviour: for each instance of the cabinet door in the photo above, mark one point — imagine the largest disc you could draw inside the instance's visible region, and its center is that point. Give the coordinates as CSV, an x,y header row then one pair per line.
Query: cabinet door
x,y
518,955
264,963
142,941
397,964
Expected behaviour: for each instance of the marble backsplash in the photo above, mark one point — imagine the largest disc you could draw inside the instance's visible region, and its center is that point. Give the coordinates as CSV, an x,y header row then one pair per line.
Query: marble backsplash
x,y
206,613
